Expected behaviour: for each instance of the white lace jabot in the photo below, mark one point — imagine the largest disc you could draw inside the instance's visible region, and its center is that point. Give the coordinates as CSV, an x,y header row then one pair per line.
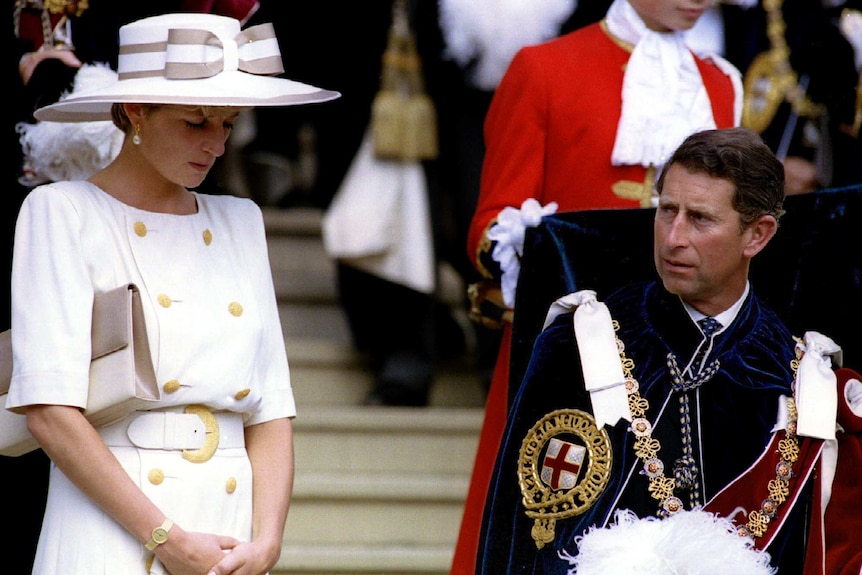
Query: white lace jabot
x,y
663,99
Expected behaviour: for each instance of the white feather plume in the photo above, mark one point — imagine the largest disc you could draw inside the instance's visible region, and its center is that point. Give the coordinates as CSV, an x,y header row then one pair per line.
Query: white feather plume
x,y
57,151
490,32
687,543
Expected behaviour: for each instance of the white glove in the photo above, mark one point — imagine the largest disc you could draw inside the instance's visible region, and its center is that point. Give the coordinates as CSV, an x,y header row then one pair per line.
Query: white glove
x,y
508,232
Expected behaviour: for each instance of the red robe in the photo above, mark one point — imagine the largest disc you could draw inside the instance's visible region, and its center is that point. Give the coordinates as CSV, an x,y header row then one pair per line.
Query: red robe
x,y
835,542
843,519
549,134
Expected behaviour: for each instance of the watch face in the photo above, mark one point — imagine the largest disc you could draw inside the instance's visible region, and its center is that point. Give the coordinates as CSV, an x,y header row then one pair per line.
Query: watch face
x,y
160,535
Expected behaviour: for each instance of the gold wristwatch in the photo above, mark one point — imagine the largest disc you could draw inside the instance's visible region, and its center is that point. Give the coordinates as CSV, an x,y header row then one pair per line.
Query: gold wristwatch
x,y
160,534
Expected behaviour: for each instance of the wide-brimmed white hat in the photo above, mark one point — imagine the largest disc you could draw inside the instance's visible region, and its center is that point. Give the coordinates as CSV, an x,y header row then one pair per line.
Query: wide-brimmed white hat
x,y
191,59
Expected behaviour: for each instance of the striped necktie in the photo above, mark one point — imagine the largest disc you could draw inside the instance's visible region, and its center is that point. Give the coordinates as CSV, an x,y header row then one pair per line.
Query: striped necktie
x,y
708,326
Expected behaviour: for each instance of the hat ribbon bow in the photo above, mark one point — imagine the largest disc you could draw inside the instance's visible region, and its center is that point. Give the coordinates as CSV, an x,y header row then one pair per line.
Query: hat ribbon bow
x,y
193,53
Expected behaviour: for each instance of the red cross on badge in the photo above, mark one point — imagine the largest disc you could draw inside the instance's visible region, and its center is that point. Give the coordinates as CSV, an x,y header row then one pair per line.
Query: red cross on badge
x,y
562,463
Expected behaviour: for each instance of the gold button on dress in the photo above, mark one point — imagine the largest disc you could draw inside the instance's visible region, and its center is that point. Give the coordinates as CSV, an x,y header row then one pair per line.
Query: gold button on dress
x,y
156,476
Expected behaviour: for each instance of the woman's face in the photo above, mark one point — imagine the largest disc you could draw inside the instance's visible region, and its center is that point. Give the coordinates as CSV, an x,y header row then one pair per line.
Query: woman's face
x,y
183,142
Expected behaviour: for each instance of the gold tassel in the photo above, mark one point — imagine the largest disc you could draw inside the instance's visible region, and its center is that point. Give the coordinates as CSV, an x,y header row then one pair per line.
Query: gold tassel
x,y
403,117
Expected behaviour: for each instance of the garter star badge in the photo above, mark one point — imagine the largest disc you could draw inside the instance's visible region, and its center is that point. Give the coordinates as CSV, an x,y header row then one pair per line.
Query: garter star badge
x,y
563,466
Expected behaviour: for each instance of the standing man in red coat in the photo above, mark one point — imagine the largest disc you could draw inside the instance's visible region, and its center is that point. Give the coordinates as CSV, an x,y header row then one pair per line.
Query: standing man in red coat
x,y
584,121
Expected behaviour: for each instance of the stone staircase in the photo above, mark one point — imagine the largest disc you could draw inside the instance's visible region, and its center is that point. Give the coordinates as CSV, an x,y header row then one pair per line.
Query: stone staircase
x,y
378,489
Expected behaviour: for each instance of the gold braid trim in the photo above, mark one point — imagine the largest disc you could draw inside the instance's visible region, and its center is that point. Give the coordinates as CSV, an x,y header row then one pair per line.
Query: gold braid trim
x,y
484,247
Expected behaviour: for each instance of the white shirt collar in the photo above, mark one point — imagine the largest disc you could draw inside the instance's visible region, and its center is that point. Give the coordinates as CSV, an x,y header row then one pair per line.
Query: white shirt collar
x,y
726,317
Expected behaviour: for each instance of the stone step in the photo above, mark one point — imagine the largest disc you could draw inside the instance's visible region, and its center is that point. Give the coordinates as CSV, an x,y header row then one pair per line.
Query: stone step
x,y
324,559
399,440
316,313
304,272
296,222
301,270
378,490
329,372
314,321
392,510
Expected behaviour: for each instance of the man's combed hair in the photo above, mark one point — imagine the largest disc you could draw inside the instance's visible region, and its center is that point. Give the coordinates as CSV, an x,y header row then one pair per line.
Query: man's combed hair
x,y
739,156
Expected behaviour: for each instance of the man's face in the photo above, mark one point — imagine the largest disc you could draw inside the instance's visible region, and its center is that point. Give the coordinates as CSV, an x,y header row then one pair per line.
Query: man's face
x,y
700,252
670,15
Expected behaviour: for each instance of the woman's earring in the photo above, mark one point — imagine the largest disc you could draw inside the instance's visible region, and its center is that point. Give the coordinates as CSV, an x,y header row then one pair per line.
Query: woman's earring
x,y
136,139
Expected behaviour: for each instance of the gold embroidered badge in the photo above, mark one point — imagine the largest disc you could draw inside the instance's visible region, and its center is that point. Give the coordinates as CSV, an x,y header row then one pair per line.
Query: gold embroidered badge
x,y
563,466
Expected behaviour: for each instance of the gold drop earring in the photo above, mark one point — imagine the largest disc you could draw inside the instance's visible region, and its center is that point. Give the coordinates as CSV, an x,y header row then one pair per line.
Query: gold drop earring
x,y
136,139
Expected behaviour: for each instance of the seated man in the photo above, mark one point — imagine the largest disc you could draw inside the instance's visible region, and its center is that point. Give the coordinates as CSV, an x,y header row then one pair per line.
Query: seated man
x,y
667,393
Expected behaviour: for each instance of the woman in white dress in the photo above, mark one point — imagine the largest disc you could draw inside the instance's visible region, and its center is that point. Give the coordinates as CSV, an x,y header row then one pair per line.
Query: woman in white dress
x,y
149,497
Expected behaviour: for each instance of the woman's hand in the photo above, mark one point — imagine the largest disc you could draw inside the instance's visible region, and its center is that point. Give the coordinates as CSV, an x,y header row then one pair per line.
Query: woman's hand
x,y
78,450
191,553
253,558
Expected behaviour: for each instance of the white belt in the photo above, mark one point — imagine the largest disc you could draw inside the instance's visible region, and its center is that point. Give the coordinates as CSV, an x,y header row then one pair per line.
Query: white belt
x,y
196,430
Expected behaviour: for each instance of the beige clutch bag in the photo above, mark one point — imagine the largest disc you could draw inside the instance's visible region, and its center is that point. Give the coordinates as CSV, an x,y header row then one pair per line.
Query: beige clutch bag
x,y
122,378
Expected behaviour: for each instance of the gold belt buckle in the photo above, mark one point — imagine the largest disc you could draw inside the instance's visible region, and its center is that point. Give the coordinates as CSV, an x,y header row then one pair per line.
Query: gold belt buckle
x,y
211,440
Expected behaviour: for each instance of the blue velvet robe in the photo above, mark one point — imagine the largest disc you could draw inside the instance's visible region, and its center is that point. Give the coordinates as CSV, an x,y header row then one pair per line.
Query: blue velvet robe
x,y
732,416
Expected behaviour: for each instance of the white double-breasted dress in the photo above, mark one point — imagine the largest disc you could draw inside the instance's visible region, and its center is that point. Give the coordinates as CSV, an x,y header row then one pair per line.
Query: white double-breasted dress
x,y
214,334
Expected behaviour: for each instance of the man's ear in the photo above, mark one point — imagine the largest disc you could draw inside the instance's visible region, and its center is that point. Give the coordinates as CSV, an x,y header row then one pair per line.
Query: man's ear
x,y
759,232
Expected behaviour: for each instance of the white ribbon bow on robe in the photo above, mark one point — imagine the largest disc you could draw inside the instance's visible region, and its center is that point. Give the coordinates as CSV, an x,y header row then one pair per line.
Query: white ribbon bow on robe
x,y
816,386
600,356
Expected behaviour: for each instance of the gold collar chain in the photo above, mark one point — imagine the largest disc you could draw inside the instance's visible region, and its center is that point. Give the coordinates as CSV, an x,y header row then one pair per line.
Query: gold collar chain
x,y
661,487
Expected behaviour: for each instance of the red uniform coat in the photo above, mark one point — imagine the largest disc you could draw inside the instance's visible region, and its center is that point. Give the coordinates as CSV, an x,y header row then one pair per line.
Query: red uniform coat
x,y
552,123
